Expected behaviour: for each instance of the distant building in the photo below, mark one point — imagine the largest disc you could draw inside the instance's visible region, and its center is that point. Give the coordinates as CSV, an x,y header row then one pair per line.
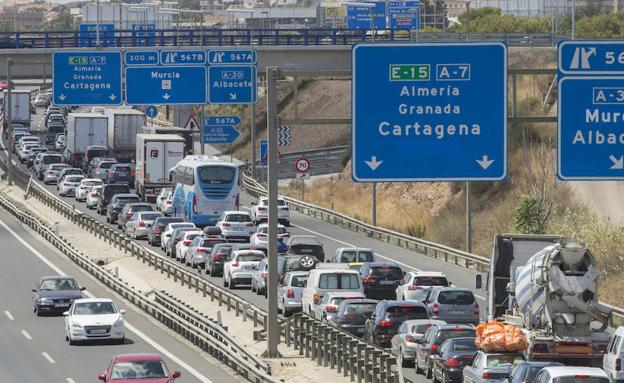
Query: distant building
x,y
539,7
18,18
128,16
454,8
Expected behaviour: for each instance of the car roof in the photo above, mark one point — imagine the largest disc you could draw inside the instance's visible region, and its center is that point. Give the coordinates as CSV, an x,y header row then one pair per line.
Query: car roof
x,y
451,288
296,273
248,251
50,277
340,294
125,195
428,273
359,300
235,212
558,371
136,356
432,322
87,300
451,326
540,364
381,264
341,249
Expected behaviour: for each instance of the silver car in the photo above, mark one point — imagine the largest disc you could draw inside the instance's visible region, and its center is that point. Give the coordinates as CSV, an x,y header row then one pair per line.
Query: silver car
x,y
453,305
140,223
404,343
258,281
416,284
491,367
289,292
326,309
197,252
52,172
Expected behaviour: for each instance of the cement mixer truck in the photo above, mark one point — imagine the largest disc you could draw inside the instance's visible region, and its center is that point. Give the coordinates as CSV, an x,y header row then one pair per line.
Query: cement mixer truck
x,y
547,286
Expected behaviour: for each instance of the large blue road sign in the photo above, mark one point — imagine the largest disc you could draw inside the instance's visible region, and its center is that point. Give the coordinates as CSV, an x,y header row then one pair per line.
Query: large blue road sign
x,y
166,85
224,134
88,36
175,57
232,84
145,34
429,112
591,57
231,56
404,14
86,78
221,120
591,130
360,17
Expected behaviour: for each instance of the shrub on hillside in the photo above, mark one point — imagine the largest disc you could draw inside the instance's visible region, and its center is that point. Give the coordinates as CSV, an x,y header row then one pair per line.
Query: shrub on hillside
x,y
528,216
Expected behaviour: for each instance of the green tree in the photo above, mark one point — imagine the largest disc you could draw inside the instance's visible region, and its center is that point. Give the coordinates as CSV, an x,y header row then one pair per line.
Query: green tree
x,y
603,26
529,217
63,22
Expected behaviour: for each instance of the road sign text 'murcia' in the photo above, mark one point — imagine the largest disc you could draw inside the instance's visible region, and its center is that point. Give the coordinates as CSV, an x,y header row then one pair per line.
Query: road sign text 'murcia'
x,y
431,112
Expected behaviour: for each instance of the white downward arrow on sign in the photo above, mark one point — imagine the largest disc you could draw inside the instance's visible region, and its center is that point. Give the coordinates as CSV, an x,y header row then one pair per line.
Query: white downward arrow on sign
x,y
232,96
618,162
484,162
166,96
373,163
112,97
62,97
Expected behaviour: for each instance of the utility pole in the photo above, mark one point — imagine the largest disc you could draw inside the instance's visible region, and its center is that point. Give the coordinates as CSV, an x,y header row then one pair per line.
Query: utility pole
x,y
97,23
252,117
374,205
468,219
9,120
573,19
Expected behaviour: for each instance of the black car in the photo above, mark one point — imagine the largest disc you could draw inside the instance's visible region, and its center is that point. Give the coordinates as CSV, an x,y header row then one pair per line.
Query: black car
x,y
352,314
454,354
383,325
121,173
527,371
432,340
128,211
107,193
306,245
117,204
219,254
381,279
54,295
153,236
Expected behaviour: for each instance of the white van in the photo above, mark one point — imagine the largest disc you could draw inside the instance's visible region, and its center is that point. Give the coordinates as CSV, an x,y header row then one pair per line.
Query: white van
x,y
329,277
612,359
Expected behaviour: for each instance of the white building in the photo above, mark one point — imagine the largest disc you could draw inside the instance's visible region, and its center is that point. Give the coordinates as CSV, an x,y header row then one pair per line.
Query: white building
x,y
128,16
538,7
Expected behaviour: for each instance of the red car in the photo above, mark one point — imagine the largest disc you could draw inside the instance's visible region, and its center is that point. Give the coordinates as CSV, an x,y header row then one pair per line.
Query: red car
x,y
132,368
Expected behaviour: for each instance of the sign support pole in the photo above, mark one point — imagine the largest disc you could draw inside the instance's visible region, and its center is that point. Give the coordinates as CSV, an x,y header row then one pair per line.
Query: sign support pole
x,y
273,335
9,118
201,131
374,205
468,218
252,117
303,188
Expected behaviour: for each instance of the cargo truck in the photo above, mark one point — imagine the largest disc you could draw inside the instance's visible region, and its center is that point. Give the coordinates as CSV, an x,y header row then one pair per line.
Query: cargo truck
x,y
84,130
156,154
123,127
547,286
20,107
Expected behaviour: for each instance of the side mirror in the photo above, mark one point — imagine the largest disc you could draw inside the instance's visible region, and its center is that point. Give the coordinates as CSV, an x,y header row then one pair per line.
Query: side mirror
x,y
66,313
253,204
83,288
122,311
479,281
176,374
450,283
34,290
102,377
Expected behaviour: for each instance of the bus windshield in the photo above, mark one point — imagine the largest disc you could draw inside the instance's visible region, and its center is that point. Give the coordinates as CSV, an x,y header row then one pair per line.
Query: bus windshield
x,y
216,175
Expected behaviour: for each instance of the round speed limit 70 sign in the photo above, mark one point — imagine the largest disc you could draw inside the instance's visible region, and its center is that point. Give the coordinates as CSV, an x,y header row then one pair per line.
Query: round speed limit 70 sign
x,y
302,165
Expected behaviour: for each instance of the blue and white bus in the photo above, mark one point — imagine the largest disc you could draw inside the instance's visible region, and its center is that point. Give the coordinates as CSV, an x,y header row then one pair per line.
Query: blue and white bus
x,y
203,188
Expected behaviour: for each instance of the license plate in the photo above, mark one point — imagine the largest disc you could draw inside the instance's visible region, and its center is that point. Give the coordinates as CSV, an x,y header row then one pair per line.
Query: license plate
x,y
238,229
250,267
306,250
456,312
386,282
98,331
61,305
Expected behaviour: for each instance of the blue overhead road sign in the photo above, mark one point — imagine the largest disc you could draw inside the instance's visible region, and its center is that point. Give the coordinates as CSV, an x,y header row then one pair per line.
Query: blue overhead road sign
x,y
176,57
215,134
591,57
264,149
232,84
360,17
222,120
234,56
429,112
166,85
86,78
134,58
88,36
404,14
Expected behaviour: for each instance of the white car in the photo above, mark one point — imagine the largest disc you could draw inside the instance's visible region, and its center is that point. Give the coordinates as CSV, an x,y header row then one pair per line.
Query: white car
x,y
60,142
326,308
182,246
241,267
166,234
236,225
93,197
260,211
565,374
94,319
25,151
261,236
416,284
85,186
69,184
612,359
164,201
27,140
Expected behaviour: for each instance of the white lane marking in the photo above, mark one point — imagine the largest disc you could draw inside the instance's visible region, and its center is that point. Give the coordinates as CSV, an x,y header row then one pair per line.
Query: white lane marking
x,y
133,329
48,357
26,334
8,315
70,380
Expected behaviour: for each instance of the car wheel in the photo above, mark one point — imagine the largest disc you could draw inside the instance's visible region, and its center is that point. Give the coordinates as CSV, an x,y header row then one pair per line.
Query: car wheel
x,y
428,372
208,269
231,283
225,283
72,342
108,219
418,369
404,363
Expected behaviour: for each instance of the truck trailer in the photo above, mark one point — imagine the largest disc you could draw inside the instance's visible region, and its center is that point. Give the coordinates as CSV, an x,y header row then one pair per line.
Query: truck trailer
x,y
84,130
155,155
123,127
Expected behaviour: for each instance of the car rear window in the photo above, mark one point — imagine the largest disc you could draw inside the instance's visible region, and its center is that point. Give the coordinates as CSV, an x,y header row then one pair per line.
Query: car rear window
x,y
464,345
574,379
339,281
305,241
92,183
496,360
386,272
162,222
362,309
111,190
74,179
299,281
52,158
237,218
250,258
150,216
349,256
210,242
135,209
430,281
125,200
122,167
405,312
456,298
453,333
105,165
190,237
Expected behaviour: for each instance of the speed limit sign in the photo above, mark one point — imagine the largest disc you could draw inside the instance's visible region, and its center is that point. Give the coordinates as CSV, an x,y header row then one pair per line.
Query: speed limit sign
x,y
302,165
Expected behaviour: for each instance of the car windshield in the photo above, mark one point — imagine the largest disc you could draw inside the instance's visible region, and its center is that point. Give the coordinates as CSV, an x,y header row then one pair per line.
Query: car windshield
x,y
216,175
94,308
574,379
125,200
106,165
237,218
58,284
405,312
305,241
74,179
250,257
456,298
92,183
361,309
139,369
454,333
496,360
387,272
150,216
339,281
430,281
299,281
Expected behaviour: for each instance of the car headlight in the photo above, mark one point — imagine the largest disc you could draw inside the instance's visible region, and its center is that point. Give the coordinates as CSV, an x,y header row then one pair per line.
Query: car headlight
x,y
76,325
118,322
45,300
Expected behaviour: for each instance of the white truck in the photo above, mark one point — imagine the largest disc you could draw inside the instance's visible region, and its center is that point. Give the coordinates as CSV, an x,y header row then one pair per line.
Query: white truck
x,y
155,155
20,107
84,130
123,127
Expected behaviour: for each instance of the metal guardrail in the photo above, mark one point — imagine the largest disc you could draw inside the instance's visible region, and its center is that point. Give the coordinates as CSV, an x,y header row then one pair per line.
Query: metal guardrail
x,y
239,36
157,122
324,161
